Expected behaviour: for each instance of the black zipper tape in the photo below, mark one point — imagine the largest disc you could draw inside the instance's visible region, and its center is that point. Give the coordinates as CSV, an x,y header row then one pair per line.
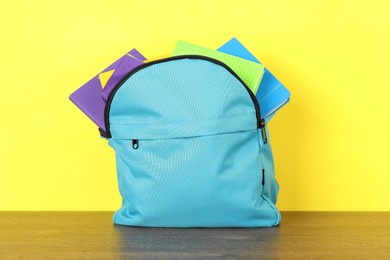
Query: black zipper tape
x,y
107,133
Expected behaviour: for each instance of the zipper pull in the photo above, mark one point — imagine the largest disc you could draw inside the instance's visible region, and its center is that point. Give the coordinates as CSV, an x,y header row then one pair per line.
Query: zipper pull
x,y
135,144
263,131
263,176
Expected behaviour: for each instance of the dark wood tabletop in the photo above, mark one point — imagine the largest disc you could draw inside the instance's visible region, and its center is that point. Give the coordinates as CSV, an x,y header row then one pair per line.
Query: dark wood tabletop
x,y
92,235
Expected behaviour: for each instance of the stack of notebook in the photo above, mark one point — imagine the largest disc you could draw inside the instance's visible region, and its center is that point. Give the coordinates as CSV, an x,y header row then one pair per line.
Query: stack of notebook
x,y
271,94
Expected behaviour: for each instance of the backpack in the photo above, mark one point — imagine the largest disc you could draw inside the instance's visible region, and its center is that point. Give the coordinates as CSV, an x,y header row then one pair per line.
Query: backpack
x,y
191,148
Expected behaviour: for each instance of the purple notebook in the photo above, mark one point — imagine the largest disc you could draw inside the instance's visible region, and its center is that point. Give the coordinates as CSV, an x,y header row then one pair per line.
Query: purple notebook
x,y
91,97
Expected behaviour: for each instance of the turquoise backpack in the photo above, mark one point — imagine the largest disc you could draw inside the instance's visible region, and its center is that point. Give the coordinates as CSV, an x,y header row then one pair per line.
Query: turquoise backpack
x,y
191,148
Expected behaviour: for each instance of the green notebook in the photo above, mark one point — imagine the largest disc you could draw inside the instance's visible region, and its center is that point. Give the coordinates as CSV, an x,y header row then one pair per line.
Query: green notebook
x,y
250,72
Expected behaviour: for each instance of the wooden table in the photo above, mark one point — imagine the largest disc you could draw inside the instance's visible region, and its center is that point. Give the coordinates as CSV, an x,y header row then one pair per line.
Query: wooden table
x,y
92,235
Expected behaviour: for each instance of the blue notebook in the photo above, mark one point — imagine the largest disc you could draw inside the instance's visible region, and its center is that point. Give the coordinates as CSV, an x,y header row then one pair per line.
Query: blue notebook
x,y
271,94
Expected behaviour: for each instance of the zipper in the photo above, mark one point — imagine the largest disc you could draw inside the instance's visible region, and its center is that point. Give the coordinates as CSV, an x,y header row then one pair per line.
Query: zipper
x,y
107,133
263,175
263,131
135,144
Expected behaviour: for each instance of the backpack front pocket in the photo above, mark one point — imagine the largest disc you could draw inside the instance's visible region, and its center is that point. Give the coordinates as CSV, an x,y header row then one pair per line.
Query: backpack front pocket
x,y
212,180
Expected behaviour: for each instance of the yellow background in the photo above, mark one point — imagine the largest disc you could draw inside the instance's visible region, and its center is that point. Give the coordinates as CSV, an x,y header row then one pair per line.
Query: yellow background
x,y
331,142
